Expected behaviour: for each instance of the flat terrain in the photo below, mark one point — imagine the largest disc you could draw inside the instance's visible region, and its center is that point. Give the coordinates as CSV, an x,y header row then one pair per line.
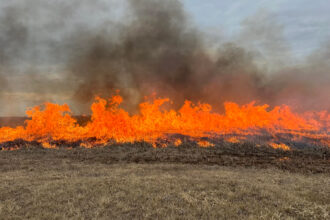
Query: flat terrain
x,y
126,182
307,160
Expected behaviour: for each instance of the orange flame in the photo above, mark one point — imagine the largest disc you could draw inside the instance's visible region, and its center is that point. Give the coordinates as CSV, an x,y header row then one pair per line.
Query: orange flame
x,y
48,145
233,140
109,122
203,143
280,146
177,142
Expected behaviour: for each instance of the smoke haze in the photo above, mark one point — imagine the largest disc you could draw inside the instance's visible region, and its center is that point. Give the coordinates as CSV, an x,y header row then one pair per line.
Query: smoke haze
x,y
71,51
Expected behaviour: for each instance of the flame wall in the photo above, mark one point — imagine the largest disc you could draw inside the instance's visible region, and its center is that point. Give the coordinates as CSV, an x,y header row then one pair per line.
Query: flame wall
x,y
109,123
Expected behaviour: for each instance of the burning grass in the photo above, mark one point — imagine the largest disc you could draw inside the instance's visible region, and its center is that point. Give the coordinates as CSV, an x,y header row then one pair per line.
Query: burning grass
x,y
111,124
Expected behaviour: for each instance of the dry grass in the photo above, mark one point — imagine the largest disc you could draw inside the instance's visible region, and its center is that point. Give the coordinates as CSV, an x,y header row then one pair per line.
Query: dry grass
x,y
63,188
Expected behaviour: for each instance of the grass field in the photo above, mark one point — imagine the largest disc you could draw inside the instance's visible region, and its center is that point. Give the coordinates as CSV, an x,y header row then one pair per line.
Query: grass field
x,y
84,184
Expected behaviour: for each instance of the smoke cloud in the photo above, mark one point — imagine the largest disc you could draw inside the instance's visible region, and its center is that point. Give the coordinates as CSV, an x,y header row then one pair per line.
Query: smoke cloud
x,y
160,51
78,50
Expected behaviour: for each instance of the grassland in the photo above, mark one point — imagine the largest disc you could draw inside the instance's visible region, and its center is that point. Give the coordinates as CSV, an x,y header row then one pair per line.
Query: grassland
x,y
134,183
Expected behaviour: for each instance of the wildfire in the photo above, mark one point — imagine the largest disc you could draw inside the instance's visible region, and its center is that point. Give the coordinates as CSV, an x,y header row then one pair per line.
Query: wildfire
x,y
233,140
109,122
280,146
203,143
48,145
177,142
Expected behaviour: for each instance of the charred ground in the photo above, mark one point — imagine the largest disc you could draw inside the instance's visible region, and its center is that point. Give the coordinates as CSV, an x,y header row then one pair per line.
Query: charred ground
x,y
308,160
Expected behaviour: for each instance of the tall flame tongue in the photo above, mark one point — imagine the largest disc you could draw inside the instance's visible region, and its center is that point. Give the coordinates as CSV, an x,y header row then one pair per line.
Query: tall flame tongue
x,y
110,122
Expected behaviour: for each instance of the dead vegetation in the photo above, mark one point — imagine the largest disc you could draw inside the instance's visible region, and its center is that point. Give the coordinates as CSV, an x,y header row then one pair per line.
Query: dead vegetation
x,y
63,188
125,182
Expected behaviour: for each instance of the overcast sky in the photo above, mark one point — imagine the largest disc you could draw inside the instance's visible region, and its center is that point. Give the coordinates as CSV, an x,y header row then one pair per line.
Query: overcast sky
x,y
305,22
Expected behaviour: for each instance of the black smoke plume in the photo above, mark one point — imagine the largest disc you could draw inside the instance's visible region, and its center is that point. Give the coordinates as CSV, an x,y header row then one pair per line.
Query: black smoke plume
x,y
160,51
62,49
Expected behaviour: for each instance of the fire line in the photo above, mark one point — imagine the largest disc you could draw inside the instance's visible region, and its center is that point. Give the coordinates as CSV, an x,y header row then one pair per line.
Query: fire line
x,y
109,122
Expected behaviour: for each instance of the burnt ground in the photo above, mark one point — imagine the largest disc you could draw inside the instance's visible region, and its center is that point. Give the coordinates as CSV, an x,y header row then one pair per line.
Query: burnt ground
x,y
310,160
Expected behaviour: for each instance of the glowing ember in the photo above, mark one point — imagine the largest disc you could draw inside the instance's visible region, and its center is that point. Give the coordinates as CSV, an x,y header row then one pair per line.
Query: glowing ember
x,y
280,146
86,145
205,144
48,145
109,122
284,159
233,140
177,142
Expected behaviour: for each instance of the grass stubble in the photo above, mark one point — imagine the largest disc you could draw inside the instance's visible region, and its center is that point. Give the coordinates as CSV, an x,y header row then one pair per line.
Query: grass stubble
x,y
98,184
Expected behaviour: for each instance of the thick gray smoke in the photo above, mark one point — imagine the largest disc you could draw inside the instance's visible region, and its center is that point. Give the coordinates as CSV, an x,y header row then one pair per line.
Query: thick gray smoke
x,y
159,51
12,39
71,51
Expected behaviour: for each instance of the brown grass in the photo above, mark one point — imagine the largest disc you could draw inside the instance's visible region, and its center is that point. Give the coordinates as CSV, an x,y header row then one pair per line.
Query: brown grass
x,y
40,184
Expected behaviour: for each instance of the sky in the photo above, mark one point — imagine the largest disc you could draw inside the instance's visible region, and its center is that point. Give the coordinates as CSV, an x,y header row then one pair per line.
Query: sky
x,y
305,22
285,29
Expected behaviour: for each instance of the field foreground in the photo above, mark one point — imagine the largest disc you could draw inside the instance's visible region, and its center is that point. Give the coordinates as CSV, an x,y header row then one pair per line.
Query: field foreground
x,y
135,183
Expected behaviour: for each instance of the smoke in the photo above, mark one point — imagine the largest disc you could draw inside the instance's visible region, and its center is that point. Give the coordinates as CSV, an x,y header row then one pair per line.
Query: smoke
x,y
155,52
263,35
306,86
71,51
34,49
13,37
160,51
